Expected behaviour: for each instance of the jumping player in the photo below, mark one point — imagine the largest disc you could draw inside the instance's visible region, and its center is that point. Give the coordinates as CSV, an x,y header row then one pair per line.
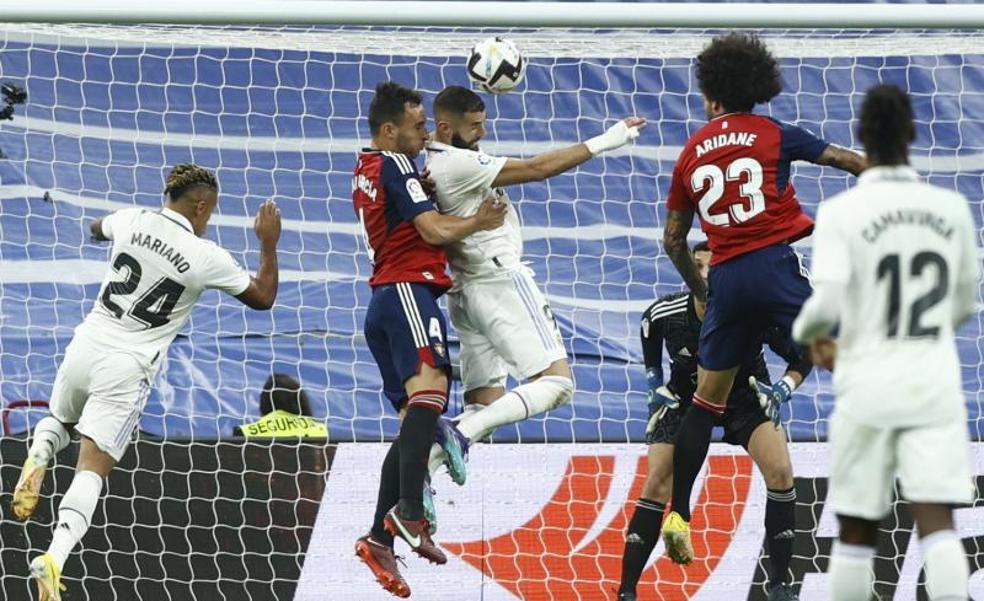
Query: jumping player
x,y
160,266
504,322
404,327
753,405
734,172
896,265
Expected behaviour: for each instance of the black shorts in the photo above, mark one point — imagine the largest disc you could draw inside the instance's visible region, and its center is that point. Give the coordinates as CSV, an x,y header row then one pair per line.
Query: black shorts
x,y
742,415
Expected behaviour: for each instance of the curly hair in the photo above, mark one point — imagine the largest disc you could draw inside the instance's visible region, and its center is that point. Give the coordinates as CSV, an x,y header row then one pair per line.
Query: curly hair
x,y
186,177
738,71
388,104
886,128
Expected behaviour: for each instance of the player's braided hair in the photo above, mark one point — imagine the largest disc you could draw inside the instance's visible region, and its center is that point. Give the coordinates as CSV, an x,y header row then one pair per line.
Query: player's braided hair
x,y
887,127
738,71
388,104
185,177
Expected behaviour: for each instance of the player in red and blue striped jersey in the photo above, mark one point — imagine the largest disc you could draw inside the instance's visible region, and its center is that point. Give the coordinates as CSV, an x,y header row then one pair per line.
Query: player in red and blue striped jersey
x,y
404,327
734,173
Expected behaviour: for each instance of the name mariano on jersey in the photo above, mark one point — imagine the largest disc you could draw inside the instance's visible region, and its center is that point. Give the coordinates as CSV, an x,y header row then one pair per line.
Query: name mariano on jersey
x,y
158,269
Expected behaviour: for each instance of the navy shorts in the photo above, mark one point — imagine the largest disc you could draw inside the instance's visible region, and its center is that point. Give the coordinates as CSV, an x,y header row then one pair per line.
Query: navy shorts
x,y
746,295
404,328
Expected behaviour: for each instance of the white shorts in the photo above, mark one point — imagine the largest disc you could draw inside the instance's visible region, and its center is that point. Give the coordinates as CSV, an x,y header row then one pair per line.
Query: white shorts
x,y
103,392
505,327
932,464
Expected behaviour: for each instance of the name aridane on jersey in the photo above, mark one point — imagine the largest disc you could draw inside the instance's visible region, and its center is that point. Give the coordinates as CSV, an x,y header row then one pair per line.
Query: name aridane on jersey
x,y
463,179
734,173
904,253
158,269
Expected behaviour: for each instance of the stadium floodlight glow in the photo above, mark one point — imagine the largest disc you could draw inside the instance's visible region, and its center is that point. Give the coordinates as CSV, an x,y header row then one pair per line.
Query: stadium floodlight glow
x,y
499,14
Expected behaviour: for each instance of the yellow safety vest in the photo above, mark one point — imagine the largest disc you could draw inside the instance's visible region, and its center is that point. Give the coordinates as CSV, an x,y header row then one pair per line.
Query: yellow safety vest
x,y
281,424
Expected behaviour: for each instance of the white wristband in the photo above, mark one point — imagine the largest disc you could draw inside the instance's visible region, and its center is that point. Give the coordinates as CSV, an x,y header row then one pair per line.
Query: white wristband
x,y
789,382
616,136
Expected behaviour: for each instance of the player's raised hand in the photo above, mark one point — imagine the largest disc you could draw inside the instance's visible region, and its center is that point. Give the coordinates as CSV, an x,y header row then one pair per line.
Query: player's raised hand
x,y
616,136
661,401
491,214
267,223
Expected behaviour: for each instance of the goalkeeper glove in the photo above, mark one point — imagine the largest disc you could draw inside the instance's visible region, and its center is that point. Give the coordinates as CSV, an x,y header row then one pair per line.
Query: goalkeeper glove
x,y
661,401
616,136
771,397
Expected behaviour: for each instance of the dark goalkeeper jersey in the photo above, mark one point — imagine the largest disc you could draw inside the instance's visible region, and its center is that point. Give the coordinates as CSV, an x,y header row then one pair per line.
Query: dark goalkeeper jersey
x,y
672,321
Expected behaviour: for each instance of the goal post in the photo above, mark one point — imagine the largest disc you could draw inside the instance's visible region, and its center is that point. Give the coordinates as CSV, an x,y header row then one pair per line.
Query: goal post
x,y
503,14
273,96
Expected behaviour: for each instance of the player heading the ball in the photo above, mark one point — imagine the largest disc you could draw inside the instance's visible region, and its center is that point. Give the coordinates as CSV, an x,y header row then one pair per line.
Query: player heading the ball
x,y
504,322
405,328
734,173
160,265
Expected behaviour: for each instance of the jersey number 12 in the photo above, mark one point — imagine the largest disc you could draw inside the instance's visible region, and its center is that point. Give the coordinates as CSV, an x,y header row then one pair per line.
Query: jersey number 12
x,y
891,267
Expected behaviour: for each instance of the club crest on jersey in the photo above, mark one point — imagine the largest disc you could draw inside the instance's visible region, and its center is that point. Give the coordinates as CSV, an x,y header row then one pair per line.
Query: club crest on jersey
x,y
483,159
415,190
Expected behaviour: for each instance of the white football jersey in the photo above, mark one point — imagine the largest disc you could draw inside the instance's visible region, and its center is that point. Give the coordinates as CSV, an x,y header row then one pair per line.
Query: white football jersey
x,y
464,181
158,269
902,248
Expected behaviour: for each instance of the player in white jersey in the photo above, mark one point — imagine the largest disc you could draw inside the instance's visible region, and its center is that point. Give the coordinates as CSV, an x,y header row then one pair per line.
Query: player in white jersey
x,y
159,267
504,322
896,265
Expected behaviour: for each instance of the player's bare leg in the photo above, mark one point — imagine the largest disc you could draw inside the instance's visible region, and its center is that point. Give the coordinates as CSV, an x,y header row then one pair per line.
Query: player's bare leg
x,y
770,452
427,396
693,440
943,553
74,517
644,526
549,389
50,437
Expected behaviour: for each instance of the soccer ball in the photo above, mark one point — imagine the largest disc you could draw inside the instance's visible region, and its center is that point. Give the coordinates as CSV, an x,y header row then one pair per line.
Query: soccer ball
x,y
496,65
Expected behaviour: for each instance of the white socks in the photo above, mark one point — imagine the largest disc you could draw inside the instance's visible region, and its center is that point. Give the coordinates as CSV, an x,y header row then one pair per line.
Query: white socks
x,y
543,394
851,574
50,437
75,514
477,422
946,566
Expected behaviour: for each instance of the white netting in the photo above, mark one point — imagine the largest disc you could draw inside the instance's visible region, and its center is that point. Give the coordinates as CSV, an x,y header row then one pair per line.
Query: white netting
x,y
279,112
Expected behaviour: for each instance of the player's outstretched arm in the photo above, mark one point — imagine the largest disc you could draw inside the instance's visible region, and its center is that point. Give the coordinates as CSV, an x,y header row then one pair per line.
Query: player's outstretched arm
x,y
262,290
438,229
843,158
678,224
554,162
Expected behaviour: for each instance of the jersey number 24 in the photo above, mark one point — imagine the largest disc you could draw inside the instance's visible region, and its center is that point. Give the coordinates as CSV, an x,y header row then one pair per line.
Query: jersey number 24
x,y
153,309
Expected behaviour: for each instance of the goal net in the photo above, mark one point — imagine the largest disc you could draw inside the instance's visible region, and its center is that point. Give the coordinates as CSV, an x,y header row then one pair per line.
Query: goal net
x,y
279,112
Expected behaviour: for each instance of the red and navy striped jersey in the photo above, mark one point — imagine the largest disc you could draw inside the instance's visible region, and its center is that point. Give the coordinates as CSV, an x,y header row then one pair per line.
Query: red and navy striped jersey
x,y
734,173
387,195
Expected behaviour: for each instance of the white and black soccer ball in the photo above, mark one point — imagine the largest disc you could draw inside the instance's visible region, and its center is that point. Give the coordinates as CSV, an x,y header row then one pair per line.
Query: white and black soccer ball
x,y
496,65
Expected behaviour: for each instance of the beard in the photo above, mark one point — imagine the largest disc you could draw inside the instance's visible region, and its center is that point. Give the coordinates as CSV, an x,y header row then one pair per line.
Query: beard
x,y
458,142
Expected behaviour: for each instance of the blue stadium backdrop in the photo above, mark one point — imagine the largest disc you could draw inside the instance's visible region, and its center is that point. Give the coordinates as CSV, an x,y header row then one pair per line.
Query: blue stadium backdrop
x,y
280,114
